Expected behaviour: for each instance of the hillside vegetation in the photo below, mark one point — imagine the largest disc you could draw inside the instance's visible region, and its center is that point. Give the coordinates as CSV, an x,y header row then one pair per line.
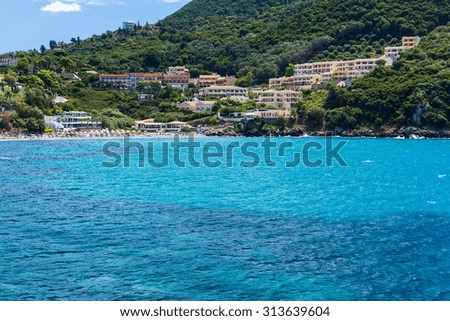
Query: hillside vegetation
x,y
256,40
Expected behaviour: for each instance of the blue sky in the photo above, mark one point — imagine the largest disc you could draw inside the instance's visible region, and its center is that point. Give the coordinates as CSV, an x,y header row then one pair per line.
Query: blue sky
x,y
28,24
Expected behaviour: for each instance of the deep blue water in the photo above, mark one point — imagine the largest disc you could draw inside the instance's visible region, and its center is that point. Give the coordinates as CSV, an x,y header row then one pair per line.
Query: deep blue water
x,y
377,229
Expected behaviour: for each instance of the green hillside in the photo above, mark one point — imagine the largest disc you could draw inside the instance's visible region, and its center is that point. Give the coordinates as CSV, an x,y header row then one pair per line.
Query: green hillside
x,y
263,38
236,37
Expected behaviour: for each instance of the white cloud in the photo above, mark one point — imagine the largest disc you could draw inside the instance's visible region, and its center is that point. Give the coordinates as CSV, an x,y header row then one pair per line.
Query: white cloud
x,y
59,6
96,2
171,1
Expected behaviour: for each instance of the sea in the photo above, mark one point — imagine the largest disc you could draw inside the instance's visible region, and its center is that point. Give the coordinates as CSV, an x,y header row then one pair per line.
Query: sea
x,y
353,219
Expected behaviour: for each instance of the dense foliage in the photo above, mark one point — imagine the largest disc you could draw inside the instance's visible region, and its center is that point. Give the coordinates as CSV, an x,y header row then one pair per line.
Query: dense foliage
x,y
261,36
255,40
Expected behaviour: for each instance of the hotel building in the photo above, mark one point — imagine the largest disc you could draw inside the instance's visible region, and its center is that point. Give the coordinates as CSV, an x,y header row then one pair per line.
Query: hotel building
x,y
224,91
213,80
73,120
280,98
149,125
344,72
176,77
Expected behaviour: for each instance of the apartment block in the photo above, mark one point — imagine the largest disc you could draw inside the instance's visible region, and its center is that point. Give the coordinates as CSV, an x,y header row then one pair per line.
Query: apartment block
x,y
8,62
410,41
213,80
73,120
342,72
407,43
175,77
224,91
280,98
178,70
270,115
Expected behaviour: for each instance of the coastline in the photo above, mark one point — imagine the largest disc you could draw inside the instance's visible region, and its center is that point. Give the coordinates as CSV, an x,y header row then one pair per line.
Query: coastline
x,y
402,133
87,135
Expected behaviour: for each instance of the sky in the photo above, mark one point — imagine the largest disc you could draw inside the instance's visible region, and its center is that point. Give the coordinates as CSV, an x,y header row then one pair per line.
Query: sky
x,y
28,24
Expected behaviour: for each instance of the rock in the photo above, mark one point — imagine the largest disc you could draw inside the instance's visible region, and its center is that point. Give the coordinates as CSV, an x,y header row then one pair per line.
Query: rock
x,y
428,133
295,132
410,131
338,131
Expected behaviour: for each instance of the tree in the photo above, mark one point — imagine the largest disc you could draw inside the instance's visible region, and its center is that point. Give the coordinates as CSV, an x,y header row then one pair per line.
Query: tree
x,y
34,125
22,66
290,70
49,78
314,118
246,81
141,86
4,123
281,123
37,97
8,95
67,63
381,63
32,81
344,117
153,58
43,49
53,45
10,79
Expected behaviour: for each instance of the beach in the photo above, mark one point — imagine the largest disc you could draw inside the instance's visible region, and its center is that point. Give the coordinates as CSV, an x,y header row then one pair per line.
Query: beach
x,y
88,134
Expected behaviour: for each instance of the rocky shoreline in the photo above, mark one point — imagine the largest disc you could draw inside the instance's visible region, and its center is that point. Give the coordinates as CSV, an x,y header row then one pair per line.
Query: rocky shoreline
x,y
406,133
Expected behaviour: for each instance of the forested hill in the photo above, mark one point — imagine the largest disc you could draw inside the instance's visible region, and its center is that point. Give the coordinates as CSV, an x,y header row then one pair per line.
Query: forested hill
x,y
262,36
200,9
255,40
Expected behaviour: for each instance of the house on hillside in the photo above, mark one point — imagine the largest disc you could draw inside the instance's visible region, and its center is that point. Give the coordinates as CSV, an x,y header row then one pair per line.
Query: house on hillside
x,y
128,25
8,62
197,106
280,98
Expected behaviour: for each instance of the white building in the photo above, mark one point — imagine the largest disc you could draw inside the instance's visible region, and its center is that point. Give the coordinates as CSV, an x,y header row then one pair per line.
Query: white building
x,y
150,126
224,91
197,105
128,25
59,100
177,77
271,114
8,62
178,70
73,120
175,126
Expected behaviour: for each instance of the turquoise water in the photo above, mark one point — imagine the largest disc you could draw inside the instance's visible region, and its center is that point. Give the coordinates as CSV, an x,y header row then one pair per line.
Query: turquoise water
x,y
376,229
